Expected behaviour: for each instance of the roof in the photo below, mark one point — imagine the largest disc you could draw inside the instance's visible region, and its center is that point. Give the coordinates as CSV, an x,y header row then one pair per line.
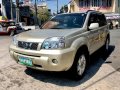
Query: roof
x,y
81,12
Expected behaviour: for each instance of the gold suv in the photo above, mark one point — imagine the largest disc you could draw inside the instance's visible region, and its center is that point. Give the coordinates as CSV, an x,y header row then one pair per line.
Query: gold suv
x,y
64,43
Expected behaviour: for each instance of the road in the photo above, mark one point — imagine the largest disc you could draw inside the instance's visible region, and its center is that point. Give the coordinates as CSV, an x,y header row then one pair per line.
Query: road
x,y
103,73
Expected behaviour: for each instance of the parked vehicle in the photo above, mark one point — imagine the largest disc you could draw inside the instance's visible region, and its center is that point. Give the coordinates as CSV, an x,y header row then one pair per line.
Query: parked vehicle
x,y
26,28
7,27
63,44
19,29
110,25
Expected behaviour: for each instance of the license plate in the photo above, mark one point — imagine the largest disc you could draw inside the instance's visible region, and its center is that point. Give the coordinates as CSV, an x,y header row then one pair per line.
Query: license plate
x,y
25,61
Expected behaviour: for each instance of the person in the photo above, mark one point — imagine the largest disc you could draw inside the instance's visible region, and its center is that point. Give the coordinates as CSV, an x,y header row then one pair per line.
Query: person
x,y
111,25
116,24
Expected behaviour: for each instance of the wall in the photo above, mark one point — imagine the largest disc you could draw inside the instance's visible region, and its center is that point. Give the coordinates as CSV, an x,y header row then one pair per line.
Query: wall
x,y
77,8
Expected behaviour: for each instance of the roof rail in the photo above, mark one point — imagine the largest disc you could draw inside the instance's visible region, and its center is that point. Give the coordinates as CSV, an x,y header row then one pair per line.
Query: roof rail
x,y
90,10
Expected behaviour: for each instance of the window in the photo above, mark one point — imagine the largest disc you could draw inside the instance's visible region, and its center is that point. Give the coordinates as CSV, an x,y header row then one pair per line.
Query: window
x,y
66,21
97,18
95,3
101,19
92,18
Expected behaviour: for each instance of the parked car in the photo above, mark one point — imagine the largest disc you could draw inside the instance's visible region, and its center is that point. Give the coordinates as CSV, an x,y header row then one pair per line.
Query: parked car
x,y
64,43
28,27
7,27
19,29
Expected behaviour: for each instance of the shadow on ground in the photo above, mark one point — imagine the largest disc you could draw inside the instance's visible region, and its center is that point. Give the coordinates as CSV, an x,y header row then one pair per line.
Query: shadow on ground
x,y
62,78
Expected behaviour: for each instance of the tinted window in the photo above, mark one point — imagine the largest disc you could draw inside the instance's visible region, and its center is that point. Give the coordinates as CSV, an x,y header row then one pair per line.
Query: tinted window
x,y
102,20
92,19
66,21
97,18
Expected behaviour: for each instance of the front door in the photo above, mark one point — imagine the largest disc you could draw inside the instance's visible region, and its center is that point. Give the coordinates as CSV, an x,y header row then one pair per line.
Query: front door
x,y
93,34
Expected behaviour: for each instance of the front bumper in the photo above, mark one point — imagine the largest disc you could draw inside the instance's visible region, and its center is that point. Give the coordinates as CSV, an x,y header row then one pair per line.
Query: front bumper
x,y
43,59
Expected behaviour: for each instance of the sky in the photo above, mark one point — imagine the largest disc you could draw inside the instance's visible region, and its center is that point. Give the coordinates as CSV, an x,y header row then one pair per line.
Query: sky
x,y
52,4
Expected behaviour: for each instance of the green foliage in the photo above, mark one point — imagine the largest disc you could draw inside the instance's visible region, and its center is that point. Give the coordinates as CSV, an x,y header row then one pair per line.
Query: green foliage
x,y
64,9
43,14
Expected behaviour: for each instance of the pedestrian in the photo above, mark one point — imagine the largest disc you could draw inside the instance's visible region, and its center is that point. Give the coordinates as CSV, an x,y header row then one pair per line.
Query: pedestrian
x,y
111,25
116,24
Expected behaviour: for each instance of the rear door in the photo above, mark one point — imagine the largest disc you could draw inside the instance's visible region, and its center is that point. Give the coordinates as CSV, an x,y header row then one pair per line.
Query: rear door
x,y
102,31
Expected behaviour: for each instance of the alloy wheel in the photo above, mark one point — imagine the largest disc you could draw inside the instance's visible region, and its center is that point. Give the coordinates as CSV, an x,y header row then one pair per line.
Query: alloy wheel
x,y
81,65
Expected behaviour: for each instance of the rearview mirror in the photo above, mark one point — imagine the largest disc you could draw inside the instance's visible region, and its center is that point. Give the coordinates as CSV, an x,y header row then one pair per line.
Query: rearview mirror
x,y
93,26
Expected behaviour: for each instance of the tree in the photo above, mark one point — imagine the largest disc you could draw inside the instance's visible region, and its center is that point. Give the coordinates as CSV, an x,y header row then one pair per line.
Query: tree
x,y
43,14
64,9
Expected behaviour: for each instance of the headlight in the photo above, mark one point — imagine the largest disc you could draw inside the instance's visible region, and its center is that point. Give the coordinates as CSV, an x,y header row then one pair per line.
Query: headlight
x,y
54,43
14,40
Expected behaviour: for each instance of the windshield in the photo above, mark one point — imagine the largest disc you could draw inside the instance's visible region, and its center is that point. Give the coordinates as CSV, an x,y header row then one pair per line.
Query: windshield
x,y
66,21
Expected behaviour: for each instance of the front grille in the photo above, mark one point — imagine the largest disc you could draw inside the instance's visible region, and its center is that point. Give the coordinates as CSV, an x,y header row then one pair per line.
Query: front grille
x,y
28,45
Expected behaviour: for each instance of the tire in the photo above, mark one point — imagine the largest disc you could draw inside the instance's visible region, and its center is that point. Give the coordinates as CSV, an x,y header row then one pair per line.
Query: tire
x,y
105,48
30,69
79,66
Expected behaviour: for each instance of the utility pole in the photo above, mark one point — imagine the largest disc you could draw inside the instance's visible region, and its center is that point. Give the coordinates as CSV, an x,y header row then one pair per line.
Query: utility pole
x,y
57,7
36,19
11,4
17,11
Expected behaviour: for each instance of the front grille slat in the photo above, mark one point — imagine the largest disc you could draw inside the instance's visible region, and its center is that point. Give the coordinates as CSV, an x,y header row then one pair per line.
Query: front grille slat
x,y
28,45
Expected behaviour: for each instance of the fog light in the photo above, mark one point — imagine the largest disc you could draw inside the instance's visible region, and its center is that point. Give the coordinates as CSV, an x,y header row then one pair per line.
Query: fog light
x,y
54,61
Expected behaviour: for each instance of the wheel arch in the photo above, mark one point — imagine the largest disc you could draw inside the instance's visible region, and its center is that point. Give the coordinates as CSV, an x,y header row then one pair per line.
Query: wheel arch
x,y
84,49
81,49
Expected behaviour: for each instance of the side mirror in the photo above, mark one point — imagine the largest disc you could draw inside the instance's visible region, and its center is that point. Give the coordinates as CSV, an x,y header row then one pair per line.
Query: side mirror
x,y
93,26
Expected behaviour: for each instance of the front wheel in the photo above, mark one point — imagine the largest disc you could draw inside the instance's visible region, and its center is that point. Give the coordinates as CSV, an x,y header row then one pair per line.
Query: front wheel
x,y
106,45
79,66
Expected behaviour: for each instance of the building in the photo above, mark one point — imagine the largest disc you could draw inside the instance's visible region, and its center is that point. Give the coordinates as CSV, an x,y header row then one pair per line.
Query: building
x,y
111,8
25,14
42,5
5,10
105,6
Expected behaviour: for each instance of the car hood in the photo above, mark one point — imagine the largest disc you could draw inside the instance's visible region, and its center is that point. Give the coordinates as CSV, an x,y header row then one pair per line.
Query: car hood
x,y
42,34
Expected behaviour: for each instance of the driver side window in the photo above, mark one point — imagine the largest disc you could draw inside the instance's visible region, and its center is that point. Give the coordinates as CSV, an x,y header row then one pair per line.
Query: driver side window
x,y
92,19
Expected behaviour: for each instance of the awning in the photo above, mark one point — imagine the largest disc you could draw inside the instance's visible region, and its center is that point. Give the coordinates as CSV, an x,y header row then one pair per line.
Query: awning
x,y
113,16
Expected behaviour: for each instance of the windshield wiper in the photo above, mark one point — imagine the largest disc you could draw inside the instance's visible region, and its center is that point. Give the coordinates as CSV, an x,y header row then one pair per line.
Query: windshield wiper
x,y
56,28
